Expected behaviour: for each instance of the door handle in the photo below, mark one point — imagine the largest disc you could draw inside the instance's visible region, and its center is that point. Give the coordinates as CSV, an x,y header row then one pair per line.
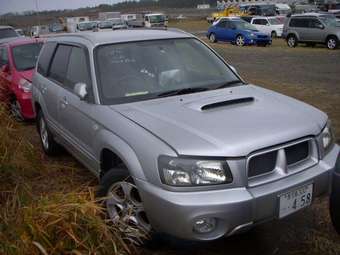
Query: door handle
x,y
64,102
43,89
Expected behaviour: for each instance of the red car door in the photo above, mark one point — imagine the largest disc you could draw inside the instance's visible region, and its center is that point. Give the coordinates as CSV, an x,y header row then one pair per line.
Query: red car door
x,y
5,75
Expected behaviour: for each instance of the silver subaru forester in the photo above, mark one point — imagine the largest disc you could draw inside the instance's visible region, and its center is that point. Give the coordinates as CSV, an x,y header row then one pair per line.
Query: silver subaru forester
x,y
180,143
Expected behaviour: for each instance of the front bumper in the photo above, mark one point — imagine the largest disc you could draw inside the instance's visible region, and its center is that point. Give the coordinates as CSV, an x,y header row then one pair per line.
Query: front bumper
x,y
258,41
234,209
25,101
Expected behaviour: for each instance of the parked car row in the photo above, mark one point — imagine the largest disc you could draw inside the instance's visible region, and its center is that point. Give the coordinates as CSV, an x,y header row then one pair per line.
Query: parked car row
x,y
222,156
309,28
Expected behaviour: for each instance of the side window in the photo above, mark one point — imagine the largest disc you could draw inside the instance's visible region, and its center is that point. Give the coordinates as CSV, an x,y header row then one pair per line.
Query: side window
x,y
299,22
222,24
45,57
77,70
314,23
257,22
264,22
3,56
59,63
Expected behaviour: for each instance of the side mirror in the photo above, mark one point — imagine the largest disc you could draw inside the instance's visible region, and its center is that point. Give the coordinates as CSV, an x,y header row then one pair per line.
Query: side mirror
x,y
80,89
320,26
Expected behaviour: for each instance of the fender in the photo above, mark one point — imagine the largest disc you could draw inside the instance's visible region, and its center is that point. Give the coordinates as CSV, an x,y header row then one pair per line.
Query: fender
x,y
107,140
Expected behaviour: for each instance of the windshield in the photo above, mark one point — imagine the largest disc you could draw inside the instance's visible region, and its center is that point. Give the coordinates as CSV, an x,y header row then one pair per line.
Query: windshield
x,y
25,56
243,25
275,21
7,33
105,24
87,26
157,18
329,20
137,71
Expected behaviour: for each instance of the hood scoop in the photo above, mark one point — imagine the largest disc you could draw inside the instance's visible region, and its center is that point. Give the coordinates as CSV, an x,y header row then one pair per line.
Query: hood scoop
x,y
230,102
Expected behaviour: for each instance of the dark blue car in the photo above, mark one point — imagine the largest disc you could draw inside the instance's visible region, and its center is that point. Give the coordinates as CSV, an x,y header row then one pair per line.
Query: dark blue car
x,y
237,31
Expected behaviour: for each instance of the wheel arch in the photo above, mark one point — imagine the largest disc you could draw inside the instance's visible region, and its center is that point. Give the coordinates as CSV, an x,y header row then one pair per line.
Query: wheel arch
x,y
113,151
293,34
331,35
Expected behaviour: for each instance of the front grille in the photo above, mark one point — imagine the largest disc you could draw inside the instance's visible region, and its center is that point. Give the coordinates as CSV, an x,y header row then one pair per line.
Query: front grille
x,y
297,153
262,36
262,164
284,156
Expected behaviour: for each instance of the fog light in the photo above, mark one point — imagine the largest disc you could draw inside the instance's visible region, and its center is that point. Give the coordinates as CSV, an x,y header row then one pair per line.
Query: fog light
x,y
205,225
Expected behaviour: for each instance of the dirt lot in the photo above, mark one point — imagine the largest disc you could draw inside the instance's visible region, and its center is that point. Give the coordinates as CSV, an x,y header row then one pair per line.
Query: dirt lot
x,y
309,74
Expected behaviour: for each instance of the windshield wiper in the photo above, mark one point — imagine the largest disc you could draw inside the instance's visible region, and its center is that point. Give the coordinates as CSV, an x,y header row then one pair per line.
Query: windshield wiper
x,y
182,91
229,83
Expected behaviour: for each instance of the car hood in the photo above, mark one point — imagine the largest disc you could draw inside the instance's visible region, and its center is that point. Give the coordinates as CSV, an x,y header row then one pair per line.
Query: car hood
x,y
229,122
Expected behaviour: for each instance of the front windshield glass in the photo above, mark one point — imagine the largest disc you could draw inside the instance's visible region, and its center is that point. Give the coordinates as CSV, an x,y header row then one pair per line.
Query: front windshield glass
x,y
243,25
25,56
145,70
157,18
87,26
329,20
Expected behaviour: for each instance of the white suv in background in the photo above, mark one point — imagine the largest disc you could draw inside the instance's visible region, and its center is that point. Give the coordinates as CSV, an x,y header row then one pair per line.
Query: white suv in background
x,y
268,25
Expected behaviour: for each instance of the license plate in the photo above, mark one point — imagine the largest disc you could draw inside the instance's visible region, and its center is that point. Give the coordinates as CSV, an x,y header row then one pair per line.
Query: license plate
x,y
295,200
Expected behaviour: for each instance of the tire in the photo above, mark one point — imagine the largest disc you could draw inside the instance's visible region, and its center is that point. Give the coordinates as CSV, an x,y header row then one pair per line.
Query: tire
x,y
212,38
292,41
15,110
332,43
240,41
274,34
49,145
122,200
334,207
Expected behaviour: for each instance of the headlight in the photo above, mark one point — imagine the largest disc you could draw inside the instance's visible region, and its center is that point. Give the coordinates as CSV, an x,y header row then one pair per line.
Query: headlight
x,y
25,85
193,172
326,140
252,35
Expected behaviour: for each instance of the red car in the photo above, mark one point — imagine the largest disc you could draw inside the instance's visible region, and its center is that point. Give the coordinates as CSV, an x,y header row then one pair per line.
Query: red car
x,y
18,58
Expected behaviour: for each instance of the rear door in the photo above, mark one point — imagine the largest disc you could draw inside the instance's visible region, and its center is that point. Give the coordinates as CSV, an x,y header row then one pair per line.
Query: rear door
x,y
300,25
74,114
221,31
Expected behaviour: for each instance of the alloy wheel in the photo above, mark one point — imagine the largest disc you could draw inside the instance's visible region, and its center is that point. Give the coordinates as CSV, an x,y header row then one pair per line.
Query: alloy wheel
x,y
331,43
240,40
124,204
212,38
291,41
44,134
16,110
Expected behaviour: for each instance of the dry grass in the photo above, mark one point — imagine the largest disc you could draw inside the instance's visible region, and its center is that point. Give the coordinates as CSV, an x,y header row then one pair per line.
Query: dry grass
x,y
51,209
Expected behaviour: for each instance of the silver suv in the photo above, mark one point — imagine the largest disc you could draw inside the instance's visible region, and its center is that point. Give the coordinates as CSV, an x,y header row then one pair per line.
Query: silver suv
x,y
312,28
180,143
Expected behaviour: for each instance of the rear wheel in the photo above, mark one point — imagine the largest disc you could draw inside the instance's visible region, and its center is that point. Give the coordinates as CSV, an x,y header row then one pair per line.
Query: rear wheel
x,y
332,42
240,40
50,146
292,41
212,38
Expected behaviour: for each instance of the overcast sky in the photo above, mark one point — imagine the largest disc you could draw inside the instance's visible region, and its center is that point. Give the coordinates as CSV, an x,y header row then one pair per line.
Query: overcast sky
x,y
24,5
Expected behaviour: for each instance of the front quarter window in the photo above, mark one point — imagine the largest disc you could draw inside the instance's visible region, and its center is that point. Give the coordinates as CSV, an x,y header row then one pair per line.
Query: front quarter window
x,y
137,71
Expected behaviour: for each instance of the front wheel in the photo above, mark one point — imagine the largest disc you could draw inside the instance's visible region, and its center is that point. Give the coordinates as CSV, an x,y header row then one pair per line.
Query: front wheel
x,y
122,200
240,40
332,43
15,109
292,41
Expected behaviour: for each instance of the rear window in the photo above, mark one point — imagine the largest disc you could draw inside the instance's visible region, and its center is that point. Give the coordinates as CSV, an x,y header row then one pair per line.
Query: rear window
x,y
7,33
299,22
59,63
25,56
45,57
